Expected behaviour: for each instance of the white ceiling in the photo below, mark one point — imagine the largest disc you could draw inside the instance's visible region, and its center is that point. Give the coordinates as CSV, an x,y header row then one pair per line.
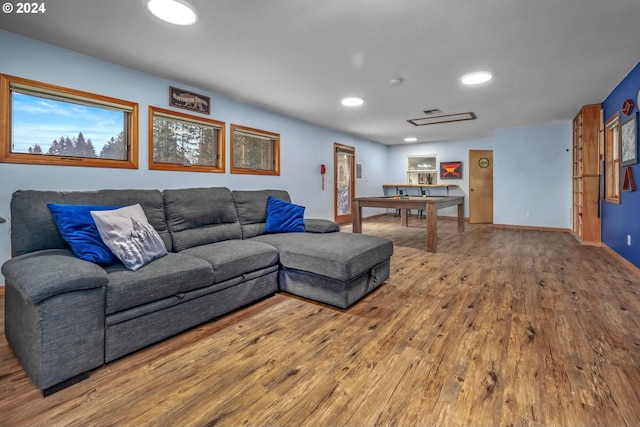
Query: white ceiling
x,y
300,57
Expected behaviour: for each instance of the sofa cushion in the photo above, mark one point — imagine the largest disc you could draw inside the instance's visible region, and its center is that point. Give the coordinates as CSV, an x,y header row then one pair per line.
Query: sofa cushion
x,y
170,275
252,209
33,227
78,229
283,217
340,256
315,225
129,235
233,258
198,216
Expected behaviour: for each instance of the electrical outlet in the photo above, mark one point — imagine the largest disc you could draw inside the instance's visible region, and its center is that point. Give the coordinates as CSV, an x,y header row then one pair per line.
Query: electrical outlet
x,y
628,240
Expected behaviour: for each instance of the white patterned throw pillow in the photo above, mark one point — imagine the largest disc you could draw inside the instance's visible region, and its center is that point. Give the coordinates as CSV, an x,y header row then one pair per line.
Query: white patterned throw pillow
x,y
128,234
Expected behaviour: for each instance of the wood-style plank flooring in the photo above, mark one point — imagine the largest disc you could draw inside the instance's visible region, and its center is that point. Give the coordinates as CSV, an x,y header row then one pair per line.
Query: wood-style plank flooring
x,y
501,327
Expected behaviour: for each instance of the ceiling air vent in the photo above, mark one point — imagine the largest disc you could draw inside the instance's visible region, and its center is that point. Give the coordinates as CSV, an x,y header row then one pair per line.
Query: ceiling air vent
x,y
446,118
433,111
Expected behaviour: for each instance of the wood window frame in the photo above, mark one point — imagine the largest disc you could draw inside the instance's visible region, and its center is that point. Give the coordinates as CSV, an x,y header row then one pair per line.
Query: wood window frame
x,y
612,155
275,137
184,117
348,153
64,94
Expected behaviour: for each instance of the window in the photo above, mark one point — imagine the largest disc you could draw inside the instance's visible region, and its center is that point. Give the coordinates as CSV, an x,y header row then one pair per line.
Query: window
x,y
52,125
182,142
612,158
254,151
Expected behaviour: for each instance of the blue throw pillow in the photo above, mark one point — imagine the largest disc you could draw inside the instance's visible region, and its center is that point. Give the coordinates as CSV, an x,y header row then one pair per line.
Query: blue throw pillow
x,y
283,217
79,230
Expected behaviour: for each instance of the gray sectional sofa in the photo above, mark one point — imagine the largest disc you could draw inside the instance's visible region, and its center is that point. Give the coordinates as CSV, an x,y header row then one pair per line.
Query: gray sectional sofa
x,y
65,317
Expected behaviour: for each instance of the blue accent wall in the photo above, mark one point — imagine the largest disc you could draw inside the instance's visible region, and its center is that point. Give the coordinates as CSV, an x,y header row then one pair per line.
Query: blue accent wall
x,y
620,221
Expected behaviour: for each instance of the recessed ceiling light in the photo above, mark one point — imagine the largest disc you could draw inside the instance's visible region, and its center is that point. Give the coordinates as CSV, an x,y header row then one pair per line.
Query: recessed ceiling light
x,y
410,139
175,12
352,102
476,78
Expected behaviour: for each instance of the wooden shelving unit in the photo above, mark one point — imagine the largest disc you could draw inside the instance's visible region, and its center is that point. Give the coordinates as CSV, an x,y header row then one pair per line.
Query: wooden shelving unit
x,y
586,162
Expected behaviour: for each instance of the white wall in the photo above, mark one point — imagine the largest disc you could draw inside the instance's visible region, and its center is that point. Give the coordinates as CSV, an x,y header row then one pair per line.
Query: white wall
x,y
532,172
532,166
303,146
446,151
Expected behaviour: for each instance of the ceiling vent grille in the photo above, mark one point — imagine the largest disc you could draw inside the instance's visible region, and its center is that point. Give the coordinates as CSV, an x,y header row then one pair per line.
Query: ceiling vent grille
x,y
446,118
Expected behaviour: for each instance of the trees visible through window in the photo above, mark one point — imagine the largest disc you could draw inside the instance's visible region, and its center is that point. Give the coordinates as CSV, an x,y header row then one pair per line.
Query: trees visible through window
x,y
47,124
185,142
254,151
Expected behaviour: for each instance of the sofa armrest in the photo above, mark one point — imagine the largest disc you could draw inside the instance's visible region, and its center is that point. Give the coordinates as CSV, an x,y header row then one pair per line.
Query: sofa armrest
x,y
54,316
43,274
315,225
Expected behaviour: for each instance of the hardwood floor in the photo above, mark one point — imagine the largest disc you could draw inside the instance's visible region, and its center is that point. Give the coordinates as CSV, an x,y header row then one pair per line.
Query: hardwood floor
x,y
501,327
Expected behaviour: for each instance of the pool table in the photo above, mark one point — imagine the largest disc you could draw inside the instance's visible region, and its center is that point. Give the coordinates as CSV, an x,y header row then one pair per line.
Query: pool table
x,y
430,205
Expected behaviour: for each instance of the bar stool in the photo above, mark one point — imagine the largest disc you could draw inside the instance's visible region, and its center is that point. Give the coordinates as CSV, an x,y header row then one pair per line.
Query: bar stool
x,y
422,193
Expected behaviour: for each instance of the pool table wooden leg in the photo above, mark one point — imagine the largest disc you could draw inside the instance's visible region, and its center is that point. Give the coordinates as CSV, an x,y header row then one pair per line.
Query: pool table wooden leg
x,y
432,227
356,218
461,217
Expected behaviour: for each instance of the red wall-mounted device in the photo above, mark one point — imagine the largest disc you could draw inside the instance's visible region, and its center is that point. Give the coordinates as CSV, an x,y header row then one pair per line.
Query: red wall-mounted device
x,y
323,170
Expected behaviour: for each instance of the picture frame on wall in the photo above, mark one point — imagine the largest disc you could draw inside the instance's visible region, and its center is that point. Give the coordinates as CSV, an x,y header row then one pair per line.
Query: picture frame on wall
x,y
450,170
629,141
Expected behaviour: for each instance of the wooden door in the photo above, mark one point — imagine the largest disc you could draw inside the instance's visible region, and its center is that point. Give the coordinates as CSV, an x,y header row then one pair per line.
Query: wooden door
x,y
345,184
481,186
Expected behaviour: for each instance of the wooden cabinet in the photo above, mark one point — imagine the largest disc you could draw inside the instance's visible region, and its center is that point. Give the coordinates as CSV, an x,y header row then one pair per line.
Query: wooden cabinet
x,y
586,175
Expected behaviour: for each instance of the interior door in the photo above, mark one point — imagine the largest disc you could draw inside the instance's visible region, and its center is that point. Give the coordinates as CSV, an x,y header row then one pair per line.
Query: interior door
x,y
344,161
481,186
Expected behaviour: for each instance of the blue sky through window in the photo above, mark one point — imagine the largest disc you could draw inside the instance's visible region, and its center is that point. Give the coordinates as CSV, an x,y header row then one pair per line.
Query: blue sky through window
x,y
40,121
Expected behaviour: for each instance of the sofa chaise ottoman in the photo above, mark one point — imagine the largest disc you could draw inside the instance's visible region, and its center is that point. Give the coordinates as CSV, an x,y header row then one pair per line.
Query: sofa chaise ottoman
x,y
325,266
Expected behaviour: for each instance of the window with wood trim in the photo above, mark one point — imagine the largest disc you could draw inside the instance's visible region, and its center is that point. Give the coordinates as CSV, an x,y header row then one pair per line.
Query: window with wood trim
x,y
612,158
254,151
54,125
184,142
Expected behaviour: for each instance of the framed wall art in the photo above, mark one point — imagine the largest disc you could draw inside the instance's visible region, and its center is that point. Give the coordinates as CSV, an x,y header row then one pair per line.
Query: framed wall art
x,y
629,141
450,170
189,100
